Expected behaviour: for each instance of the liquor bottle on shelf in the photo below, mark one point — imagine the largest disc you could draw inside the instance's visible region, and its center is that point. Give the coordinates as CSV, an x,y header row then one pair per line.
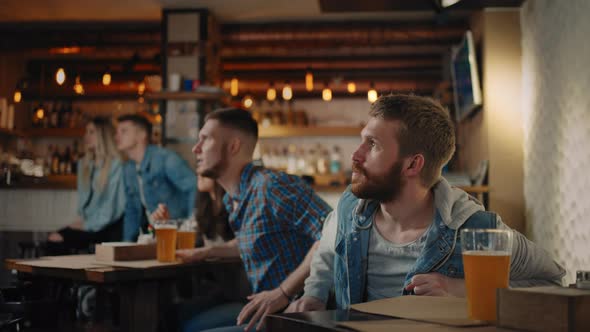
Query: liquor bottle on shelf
x,y
322,161
48,160
311,162
54,116
291,159
336,160
301,162
74,158
55,161
67,160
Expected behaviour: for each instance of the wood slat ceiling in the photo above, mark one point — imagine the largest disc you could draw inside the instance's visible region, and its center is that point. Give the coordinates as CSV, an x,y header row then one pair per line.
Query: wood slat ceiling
x,y
398,54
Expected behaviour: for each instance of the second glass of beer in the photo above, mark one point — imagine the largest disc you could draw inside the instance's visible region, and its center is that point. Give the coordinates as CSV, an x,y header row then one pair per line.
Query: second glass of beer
x,y
166,240
187,234
486,261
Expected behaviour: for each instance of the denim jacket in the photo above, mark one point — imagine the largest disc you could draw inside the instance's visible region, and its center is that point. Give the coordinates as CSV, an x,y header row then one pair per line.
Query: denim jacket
x,y
98,207
341,264
167,179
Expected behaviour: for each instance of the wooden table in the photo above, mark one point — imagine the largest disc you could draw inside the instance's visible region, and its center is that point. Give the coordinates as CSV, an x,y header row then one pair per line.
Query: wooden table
x,y
329,320
141,290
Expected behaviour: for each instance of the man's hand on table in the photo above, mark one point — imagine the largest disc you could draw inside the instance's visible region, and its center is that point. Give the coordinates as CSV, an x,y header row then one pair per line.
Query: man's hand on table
x,y
306,303
260,305
193,255
436,284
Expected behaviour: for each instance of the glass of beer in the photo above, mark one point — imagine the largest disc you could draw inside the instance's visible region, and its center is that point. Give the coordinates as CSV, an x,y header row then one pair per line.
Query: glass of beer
x,y
166,240
187,234
486,262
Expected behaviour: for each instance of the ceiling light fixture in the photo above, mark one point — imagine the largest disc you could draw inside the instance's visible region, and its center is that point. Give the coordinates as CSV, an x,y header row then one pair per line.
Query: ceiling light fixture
x,y
60,76
326,93
271,93
287,91
372,94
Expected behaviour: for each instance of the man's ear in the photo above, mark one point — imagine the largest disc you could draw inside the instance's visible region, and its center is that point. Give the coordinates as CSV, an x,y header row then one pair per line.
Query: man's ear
x,y
235,146
414,165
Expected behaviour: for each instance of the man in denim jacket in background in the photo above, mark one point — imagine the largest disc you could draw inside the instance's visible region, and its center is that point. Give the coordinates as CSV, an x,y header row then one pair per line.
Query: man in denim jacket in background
x,y
152,175
395,231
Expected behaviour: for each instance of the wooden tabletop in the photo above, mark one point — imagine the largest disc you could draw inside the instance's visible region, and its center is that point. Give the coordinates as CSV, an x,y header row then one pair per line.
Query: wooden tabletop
x,y
86,268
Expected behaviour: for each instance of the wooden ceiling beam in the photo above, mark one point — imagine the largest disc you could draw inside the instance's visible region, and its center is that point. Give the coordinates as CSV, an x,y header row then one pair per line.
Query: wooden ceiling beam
x,y
286,50
333,65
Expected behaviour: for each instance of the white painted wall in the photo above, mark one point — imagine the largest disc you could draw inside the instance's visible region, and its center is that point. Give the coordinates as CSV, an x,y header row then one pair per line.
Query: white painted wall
x,y
36,210
556,104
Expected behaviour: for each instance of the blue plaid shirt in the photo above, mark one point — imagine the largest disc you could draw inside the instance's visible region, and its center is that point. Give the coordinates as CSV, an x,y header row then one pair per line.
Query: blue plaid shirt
x,y
277,219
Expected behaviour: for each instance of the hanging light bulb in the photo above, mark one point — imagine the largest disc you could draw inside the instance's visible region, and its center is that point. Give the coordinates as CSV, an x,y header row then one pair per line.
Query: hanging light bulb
x,y
309,80
372,94
78,87
233,86
18,96
271,93
106,78
327,93
60,76
287,91
351,87
247,101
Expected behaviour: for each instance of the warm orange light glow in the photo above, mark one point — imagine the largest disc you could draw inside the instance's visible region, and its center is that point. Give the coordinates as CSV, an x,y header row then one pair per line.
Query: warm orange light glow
x,y
372,95
308,81
78,87
141,88
233,86
40,113
106,78
327,94
18,96
351,87
65,50
271,93
248,102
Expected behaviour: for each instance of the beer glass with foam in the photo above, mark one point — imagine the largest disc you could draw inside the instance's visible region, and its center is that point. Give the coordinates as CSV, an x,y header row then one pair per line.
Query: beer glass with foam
x,y
486,262
187,234
166,240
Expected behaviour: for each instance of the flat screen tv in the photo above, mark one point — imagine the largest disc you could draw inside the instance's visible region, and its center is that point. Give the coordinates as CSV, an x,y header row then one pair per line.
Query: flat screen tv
x,y
466,88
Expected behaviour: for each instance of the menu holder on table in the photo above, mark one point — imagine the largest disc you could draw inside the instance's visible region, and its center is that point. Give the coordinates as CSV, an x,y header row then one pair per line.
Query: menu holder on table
x,y
451,311
124,251
549,308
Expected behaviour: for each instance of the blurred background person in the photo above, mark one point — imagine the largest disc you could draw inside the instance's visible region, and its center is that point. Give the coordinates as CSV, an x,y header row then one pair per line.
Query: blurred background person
x,y
101,193
152,175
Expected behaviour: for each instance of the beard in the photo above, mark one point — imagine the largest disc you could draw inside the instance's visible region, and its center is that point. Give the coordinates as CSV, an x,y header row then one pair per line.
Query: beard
x,y
217,169
384,188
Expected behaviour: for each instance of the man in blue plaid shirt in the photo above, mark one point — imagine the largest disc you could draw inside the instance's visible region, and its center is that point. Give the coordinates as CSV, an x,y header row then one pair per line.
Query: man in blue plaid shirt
x,y
276,219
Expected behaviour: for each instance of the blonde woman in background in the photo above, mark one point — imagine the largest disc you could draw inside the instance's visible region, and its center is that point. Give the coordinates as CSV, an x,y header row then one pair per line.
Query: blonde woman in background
x,y
101,193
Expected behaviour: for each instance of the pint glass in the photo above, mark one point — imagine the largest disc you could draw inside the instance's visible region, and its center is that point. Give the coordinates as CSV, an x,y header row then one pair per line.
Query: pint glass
x,y
187,234
486,262
166,241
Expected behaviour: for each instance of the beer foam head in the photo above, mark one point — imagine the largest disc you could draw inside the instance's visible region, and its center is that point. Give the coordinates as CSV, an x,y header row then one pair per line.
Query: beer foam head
x,y
165,226
486,253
